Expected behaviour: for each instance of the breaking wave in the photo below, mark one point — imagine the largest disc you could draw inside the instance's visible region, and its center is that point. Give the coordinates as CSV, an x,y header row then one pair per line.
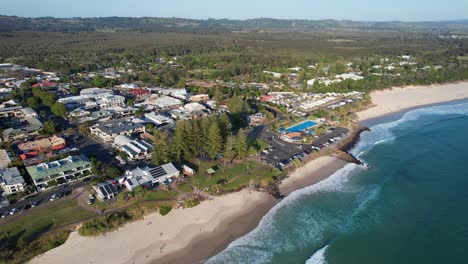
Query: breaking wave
x,y
318,257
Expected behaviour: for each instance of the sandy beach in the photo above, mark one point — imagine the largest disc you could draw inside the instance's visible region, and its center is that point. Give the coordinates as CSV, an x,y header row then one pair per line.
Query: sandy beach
x,y
399,99
186,235
193,235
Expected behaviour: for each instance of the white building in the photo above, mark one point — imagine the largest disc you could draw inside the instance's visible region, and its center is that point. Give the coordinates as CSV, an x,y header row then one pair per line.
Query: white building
x,y
148,176
110,100
11,180
105,190
136,149
158,119
193,107
107,131
93,92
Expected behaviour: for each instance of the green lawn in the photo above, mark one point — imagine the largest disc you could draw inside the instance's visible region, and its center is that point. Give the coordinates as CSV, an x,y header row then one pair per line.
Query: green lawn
x,y
233,177
39,220
185,187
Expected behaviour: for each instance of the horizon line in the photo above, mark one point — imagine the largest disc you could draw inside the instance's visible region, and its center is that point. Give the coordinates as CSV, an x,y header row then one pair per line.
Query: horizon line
x,y
245,19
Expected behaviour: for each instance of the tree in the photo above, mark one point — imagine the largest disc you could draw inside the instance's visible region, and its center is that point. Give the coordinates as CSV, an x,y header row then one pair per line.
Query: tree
x,y
178,145
49,127
242,148
224,126
230,148
161,153
33,102
114,172
59,109
130,102
214,143
74,90
195,138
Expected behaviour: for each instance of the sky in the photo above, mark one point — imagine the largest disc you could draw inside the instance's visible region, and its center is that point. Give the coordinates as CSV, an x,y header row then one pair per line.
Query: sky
x,y
362,10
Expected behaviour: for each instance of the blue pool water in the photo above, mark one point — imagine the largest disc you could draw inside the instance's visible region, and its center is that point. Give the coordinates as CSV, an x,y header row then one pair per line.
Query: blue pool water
x,y
300,127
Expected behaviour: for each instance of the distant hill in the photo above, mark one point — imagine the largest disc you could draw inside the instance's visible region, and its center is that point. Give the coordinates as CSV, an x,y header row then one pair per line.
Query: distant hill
x,y
154,24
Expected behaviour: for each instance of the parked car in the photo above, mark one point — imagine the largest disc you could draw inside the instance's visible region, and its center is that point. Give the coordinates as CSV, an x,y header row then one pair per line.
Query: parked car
x,y
5,214
55,197
14,211
34,204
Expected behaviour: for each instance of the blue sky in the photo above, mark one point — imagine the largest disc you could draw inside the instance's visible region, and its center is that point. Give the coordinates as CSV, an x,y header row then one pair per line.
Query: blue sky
x,y
375,10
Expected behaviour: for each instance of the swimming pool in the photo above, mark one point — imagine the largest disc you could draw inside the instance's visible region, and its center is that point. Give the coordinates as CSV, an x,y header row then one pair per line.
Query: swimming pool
x,y
300,127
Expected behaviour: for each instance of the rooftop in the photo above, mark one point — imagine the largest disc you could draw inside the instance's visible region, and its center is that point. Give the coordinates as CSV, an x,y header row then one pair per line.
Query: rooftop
x,y
11,176
55,167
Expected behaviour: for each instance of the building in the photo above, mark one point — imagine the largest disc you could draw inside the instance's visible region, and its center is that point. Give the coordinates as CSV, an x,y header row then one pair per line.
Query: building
x,y
5,159
158,119
136,149
69,169
199,98
11,180
20,128
107,131
257,119
165,102
194,107
93,92
14,111
148,176
110,100
33,148
105,190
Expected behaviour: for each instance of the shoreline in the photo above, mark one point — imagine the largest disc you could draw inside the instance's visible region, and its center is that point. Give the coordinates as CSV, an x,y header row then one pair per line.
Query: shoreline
x,y
402,99
190,235
225,218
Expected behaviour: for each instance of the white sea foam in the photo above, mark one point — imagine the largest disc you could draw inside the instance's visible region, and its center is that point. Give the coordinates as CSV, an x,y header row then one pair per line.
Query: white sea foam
x,y
382,133
252,247
318,257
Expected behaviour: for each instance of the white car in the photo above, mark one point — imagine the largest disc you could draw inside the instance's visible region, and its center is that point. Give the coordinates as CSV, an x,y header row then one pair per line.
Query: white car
x,y
13,211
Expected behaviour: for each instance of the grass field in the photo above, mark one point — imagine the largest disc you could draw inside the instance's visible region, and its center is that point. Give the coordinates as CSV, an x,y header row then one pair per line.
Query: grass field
x,y
39,221
232,177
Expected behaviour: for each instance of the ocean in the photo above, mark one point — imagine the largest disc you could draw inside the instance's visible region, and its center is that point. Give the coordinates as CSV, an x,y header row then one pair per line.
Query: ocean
x,y
409,204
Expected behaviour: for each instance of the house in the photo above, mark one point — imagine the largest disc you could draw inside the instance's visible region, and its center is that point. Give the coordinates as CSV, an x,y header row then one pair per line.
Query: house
x,y
5,159
11,180
106,190
107,131
136,149
194,107
20,128
139,92
69,169
257,119
33,148
148,176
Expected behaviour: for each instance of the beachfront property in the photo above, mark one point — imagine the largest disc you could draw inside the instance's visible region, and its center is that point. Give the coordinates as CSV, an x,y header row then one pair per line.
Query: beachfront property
x,y
69,169
148,176
11,180
107,131
105,190
135,149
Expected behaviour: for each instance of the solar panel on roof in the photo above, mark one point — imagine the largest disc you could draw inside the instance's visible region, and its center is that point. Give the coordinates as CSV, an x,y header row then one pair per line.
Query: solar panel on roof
x,y
107,189
157,172
103,191
113,189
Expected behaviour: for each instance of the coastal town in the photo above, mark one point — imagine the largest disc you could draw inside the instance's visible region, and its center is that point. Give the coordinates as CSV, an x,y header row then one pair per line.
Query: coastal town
x,y
101,143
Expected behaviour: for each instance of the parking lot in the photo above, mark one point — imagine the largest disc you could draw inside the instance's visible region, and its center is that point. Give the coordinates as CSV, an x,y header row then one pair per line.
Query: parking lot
x,y
40,198
281,152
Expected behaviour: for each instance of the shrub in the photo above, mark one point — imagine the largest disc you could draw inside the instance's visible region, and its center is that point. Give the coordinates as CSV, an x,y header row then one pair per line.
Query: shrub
x,y
165,209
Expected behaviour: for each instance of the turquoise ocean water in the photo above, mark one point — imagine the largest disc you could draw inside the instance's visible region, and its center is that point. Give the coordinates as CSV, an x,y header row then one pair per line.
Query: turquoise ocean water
x,y
408,205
